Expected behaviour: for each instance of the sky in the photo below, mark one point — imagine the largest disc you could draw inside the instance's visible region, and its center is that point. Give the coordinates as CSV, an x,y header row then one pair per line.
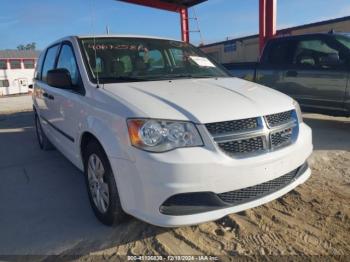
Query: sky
x,y
44,21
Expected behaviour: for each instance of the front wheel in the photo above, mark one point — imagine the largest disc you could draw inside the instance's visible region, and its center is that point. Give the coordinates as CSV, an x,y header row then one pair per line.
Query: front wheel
x,y
101,185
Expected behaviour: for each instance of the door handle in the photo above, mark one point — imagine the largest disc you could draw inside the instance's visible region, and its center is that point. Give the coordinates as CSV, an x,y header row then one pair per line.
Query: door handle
x,y
292,73
51,97
45,95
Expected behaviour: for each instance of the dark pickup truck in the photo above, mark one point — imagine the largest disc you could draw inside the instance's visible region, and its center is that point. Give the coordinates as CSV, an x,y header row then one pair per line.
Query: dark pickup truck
x,y
313,69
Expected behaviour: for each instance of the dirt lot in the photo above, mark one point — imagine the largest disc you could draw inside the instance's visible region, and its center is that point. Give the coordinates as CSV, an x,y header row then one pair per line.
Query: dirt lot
x,y
44,207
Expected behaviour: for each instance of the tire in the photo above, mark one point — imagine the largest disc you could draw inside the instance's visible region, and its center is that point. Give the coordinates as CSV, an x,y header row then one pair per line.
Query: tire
x,y
43,141
101,186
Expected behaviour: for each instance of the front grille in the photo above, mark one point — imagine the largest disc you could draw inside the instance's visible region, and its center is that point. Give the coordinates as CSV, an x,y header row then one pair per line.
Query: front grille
x,y
281,138
279,119
243,146
251,193
255,135
232,126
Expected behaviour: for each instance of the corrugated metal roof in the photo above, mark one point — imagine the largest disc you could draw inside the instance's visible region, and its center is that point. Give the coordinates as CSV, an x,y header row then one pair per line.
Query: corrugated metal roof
x,y
8,54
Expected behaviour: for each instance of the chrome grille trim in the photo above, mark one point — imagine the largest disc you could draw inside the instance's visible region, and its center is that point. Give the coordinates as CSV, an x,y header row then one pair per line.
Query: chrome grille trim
x,y
240,143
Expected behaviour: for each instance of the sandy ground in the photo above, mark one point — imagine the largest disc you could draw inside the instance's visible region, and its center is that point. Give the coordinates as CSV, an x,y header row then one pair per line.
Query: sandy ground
x,y
314,219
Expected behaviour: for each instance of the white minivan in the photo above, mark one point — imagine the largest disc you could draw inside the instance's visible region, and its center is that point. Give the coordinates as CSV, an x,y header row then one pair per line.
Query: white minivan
x,y
163,133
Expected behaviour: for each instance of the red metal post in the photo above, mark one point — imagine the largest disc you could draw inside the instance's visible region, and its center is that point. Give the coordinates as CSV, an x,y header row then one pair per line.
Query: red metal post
x,y
262,24
267,21
185,28
270,18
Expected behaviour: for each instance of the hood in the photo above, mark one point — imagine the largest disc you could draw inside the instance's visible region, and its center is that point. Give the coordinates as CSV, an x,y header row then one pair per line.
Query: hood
x,y
199,100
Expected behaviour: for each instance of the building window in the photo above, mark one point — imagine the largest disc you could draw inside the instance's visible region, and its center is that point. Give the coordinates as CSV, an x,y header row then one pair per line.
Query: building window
x,y
230,47
4,83
3,64
15,64
29,63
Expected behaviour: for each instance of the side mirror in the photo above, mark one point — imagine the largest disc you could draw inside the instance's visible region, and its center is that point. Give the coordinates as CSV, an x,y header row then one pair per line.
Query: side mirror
x,y
30,86
59,78
331,59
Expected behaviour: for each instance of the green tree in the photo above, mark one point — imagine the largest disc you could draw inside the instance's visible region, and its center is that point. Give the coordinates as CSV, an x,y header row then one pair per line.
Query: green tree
x,y
30,46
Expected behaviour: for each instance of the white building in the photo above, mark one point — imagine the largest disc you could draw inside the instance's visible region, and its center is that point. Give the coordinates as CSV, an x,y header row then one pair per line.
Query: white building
x,y
16,70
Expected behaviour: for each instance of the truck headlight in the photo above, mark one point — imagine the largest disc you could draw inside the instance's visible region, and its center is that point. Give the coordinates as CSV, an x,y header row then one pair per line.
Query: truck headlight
x,y
298,110
162,135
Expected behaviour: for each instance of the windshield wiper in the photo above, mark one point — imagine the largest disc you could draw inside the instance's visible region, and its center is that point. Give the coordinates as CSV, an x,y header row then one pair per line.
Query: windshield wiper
x,y
189,76
119,79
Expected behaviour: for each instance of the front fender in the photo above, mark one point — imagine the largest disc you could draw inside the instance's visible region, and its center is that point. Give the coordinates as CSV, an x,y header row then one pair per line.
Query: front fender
x,y
112,134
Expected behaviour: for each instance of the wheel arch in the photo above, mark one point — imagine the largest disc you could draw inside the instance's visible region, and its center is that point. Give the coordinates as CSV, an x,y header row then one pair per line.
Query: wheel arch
x,y
107,140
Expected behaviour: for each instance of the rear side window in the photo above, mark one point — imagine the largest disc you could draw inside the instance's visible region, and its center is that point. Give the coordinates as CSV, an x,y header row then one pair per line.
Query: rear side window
x,y
49,62
280,53
39,64
67,61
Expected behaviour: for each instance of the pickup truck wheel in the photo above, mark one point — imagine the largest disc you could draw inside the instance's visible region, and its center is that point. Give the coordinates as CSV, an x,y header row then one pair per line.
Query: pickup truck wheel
x,y
43,141
101,185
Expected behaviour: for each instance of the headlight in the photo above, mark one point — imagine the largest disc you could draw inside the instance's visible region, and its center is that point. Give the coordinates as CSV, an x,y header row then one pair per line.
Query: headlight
x,y
298,110
162,135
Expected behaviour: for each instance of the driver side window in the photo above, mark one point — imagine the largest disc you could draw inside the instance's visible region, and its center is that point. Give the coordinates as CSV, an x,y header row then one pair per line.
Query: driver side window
x,y
317,54
67,60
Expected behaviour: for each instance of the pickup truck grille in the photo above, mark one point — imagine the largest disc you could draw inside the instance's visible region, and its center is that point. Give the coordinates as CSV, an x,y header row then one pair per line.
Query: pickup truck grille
x,y
251,193
257,135
231,126
279,119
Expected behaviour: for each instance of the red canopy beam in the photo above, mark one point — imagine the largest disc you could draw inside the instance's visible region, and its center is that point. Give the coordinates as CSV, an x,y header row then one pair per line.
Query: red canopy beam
x,y
180,7
156,4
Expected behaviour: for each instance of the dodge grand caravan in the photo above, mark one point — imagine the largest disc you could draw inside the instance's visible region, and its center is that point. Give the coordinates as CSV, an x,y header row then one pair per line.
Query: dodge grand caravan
x,y
163,133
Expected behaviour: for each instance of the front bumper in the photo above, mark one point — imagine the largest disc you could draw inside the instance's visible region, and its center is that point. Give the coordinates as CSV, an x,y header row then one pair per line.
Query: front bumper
x,y
146,183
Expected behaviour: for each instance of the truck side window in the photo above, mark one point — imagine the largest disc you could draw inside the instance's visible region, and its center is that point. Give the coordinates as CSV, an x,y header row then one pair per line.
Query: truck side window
x,y
280,53
67,61
49,62
316,53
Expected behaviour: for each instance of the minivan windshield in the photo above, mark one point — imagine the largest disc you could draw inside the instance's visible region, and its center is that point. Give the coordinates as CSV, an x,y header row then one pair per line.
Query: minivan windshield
x,y
124,59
